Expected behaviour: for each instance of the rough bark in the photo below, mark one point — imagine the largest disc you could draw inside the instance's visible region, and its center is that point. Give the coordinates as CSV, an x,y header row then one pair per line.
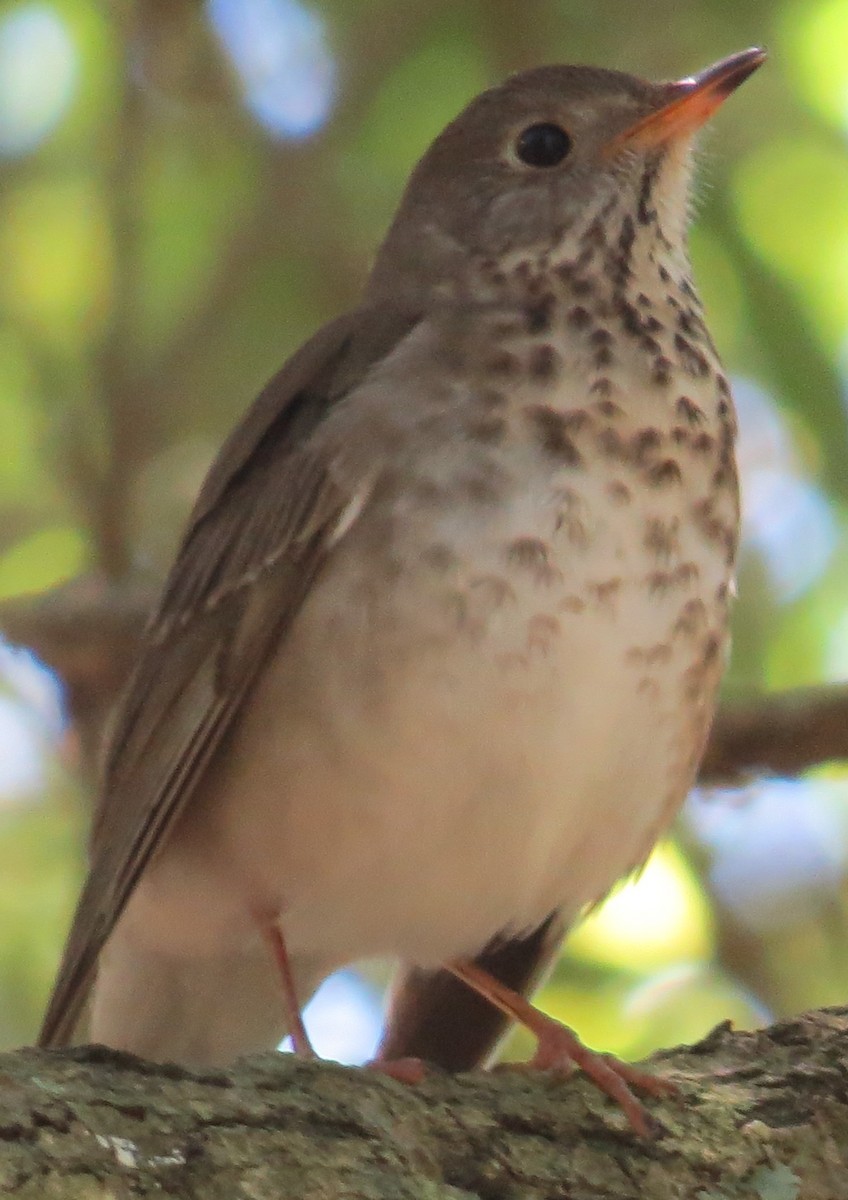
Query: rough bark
x,y
760,1116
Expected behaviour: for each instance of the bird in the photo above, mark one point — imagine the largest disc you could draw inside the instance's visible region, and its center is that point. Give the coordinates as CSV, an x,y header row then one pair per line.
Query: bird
x,y
439,650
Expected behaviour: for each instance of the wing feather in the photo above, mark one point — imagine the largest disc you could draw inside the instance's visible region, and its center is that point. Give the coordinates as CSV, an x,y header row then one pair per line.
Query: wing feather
x,y
267,516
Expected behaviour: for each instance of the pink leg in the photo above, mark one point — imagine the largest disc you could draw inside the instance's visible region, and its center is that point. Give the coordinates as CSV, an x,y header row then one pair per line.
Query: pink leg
x,y
559,1048
406,1070
297,1030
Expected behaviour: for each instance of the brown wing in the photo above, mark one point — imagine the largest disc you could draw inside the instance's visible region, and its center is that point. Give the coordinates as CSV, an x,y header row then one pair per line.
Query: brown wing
x,y
435,1016
257,537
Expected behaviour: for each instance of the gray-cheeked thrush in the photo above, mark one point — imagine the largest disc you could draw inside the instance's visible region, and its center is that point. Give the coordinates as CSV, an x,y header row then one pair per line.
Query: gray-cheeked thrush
x,y
437,657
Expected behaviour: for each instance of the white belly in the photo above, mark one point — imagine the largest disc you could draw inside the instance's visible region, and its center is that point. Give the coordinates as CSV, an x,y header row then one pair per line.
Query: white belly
x,y
415,777
462,733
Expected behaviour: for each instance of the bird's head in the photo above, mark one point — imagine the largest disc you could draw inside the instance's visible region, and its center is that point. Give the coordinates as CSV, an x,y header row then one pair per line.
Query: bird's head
x,y
531,164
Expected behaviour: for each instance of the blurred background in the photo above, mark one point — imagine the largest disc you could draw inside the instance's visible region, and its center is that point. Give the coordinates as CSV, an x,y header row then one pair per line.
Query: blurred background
x,y
186,191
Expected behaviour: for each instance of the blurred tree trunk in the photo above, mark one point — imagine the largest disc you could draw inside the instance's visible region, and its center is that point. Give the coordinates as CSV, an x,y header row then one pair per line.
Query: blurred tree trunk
x,y
760,1116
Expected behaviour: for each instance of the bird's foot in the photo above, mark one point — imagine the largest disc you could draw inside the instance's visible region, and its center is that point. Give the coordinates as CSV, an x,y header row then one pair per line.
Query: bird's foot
x,y
559,1049
405,1070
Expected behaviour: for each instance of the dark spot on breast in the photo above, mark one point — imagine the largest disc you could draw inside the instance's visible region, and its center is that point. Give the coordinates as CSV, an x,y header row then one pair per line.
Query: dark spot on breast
x,y
538,315
631,319
551,428
664,275
663,473
626,237
712,647
661,370
602,356
680,435
714,528
582,287
532,555
569,522
618,492
609,409
596,233
659,653
645,212
543,363
660,582
693,617
661,537
643,442
489,431
694,362
604,591
644,300
579,317
601,387
703,443
504,364
689,322
585,256
689,410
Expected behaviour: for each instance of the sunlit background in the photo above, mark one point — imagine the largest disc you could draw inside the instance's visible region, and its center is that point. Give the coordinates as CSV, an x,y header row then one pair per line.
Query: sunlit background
x,y
186,192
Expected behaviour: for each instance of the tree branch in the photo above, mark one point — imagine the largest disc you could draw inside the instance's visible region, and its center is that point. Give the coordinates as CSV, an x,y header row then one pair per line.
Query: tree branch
x,y
759,1114
781,734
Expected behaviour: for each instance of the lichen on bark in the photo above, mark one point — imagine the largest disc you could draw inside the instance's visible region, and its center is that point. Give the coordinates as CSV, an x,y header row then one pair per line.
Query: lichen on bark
x,y
759,1116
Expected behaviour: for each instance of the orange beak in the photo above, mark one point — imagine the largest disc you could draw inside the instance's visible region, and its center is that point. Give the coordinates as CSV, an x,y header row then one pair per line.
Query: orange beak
x,y
692,102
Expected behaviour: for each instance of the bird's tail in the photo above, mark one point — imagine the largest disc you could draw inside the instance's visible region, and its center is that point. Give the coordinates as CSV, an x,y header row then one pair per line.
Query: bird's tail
x,y
196,1011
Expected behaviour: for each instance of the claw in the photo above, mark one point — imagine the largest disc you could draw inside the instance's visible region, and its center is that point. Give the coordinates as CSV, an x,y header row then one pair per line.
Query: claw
x,y
405,1070
559,1049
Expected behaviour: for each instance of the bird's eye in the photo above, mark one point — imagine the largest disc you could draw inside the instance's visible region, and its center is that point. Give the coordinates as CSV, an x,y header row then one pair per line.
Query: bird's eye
x,y
542,145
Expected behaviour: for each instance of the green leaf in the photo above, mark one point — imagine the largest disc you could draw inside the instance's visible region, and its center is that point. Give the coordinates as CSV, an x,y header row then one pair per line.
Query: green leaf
x,y
43,560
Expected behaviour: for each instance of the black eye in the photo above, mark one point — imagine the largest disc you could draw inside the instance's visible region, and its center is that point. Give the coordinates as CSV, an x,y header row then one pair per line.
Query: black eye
x,y
543,145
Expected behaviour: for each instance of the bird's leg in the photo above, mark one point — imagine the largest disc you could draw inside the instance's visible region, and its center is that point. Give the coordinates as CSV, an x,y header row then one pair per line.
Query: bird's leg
x,y
406,1070
560,1049
297,1030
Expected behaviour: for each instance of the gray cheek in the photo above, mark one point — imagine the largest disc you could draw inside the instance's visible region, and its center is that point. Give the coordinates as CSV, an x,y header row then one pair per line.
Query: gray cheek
x,y
523,216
